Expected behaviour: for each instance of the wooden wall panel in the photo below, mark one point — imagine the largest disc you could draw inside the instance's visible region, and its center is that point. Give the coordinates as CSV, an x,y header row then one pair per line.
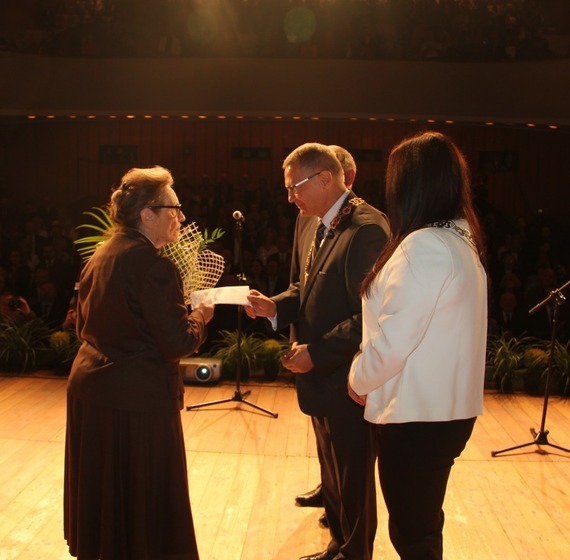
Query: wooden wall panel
x,y
58,160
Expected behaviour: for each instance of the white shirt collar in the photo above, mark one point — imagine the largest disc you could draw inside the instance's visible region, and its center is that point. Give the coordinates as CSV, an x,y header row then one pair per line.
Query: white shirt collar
x,y
334,209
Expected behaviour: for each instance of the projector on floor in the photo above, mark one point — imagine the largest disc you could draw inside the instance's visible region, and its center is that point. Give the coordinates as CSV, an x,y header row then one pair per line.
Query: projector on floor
x,y
200,370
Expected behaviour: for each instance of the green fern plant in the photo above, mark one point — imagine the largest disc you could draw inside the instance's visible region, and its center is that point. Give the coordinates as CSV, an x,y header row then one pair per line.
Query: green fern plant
x,y
226,350
24,344
561,367
504,358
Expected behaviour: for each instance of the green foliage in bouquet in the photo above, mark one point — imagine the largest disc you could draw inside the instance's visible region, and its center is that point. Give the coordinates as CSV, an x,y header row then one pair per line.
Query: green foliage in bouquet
x,y
104,227
210,238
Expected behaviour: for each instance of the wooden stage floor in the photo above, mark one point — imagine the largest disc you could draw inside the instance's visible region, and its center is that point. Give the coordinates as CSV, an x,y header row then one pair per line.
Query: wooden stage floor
x,y
245,468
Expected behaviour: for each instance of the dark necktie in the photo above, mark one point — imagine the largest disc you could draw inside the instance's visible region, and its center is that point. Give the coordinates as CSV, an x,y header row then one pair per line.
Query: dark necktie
x,y
320,235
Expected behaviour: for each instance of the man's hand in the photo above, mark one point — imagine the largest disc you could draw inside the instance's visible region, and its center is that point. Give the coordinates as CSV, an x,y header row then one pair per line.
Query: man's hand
x,y
261,306
298,359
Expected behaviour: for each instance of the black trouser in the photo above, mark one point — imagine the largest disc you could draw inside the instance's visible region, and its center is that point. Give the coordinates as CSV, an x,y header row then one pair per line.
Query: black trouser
x,y
414,462
346,454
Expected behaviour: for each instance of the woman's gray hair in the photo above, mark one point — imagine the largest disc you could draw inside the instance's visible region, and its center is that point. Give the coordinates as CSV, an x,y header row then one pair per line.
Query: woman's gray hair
x,y
140,188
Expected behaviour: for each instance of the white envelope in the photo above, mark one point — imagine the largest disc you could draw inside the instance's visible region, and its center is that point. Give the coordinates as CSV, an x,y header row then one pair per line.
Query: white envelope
x,y
236,295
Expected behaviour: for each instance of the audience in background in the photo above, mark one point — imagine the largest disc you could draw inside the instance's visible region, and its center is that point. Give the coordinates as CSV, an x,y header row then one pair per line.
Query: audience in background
x,y
51,306
13,307
470,30
527,259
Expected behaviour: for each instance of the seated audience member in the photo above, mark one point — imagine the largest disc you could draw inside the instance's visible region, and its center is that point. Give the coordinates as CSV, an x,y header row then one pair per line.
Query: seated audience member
x,y
540,322
284,252
275,279
14,307
61,267
268,246
50,306
39,276
70,320
509,316
18,273
255,276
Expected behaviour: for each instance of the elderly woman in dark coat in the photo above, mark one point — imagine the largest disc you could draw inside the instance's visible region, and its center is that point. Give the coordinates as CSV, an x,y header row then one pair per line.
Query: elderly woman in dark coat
x,y
126,487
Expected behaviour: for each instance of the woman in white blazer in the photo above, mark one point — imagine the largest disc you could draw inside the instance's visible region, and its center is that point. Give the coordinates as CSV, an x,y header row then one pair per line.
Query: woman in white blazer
x,y
420,370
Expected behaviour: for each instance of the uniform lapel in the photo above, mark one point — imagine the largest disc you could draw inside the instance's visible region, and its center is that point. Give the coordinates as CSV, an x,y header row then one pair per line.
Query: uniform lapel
x,y
324,252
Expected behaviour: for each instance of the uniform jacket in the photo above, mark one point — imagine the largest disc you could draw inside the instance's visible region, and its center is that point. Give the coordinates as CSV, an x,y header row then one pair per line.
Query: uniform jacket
x,y
324,311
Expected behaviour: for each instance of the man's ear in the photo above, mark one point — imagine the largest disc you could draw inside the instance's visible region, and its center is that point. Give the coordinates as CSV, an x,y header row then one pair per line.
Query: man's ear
x,y
349,176
325,178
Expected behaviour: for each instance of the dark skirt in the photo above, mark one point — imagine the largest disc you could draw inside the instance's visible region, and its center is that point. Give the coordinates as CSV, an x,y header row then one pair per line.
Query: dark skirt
x,y
126,485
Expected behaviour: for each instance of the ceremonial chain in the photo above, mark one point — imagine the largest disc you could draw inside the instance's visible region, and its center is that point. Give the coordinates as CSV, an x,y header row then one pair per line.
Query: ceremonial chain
x,y
449,224
345,211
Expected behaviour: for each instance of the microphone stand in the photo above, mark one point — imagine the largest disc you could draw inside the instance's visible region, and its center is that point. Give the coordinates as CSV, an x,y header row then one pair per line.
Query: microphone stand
x,y
238,395
541,437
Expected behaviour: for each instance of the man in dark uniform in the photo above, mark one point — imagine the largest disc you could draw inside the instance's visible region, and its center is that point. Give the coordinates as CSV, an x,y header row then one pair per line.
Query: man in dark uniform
x,y
322,306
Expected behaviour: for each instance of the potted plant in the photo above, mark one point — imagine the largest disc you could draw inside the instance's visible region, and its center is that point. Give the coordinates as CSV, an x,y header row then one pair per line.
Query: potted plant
x,y
504,358
270,352
229,352
64,345
24,344
535,362
561,368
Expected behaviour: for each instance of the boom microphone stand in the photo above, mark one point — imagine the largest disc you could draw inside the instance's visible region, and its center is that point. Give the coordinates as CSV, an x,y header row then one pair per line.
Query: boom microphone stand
x,y
541,437
238,395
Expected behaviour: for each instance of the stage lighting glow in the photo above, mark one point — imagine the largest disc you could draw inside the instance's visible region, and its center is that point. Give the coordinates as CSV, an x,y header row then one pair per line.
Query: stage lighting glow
x,y
202,26
300,24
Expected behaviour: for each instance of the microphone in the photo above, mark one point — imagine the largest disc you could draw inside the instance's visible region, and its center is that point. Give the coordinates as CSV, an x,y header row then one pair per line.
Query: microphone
x,y
238,216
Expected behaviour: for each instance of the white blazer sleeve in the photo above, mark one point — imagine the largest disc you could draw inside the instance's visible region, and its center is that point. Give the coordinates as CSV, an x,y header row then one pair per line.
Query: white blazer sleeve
x,y
404,297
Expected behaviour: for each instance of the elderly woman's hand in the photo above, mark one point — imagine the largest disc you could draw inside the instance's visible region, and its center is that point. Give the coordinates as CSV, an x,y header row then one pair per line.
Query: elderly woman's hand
x,y
206,310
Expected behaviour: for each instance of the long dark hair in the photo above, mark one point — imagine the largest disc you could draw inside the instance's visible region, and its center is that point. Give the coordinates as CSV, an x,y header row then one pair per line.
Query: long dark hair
x,y
427,181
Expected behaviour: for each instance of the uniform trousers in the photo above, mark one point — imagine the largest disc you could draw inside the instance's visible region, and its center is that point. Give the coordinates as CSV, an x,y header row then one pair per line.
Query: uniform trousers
x,y
414,463
345,447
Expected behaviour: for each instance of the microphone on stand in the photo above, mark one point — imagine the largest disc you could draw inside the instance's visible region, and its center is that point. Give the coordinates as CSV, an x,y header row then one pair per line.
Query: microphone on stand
x,y
238,216
238,243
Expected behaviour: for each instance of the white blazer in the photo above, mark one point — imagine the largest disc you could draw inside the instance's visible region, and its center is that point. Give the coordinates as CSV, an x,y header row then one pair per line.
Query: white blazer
x,y
424,332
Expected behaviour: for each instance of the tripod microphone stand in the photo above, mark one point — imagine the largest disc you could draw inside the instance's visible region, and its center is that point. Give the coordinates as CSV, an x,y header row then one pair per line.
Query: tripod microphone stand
x,y
541,437
239,396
